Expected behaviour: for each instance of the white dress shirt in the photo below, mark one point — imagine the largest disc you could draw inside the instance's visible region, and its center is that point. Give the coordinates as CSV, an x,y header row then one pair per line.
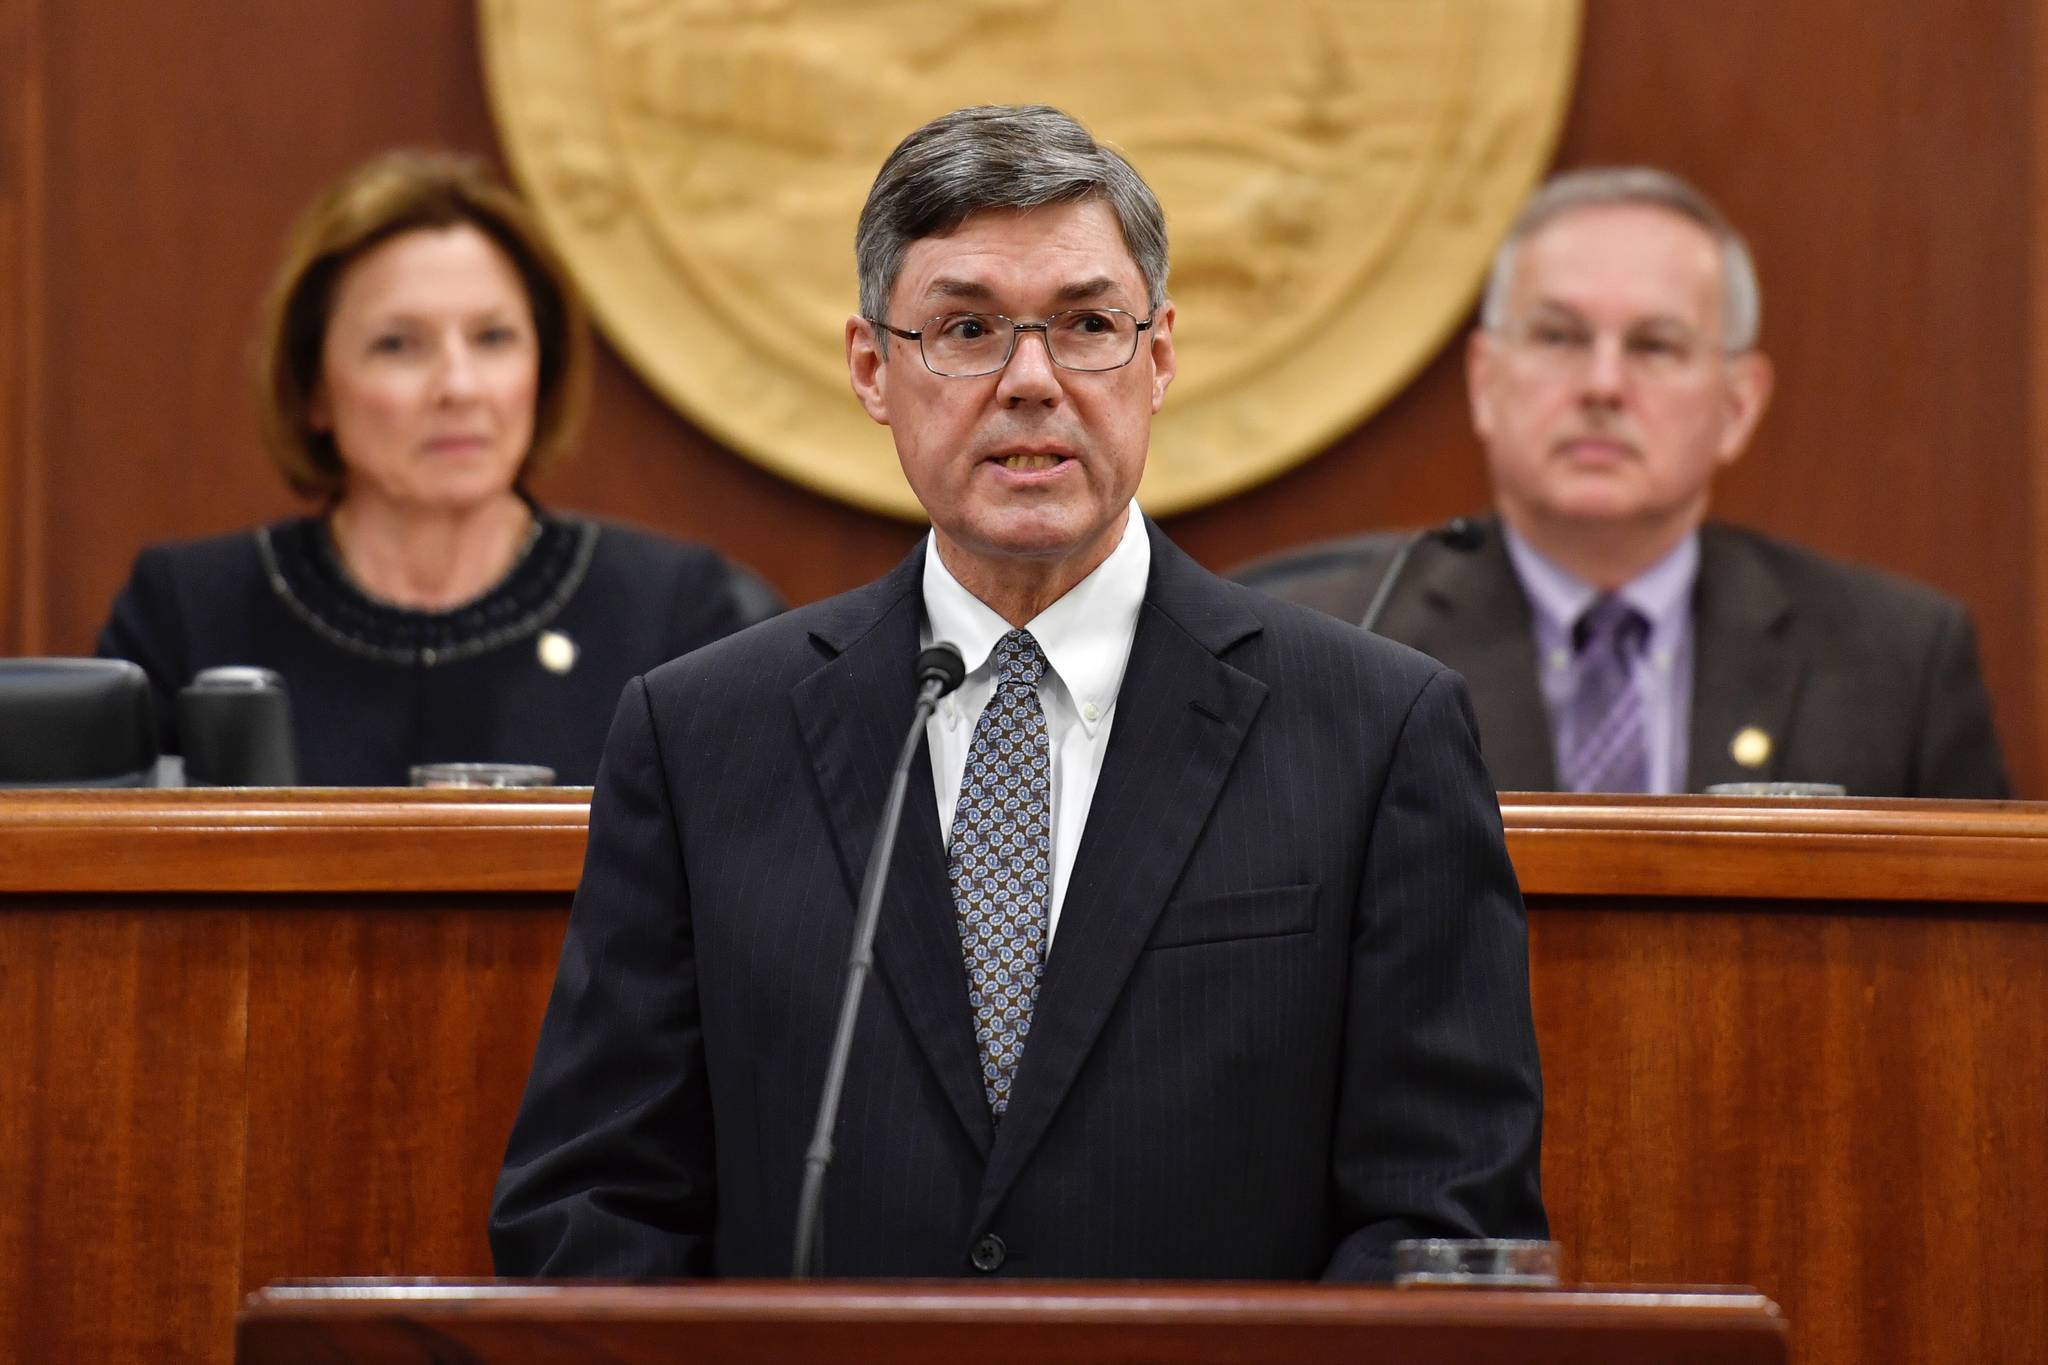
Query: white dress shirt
x,y
1086,637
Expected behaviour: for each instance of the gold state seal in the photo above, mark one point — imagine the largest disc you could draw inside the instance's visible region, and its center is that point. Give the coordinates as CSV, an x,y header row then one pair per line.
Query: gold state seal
x,y
1335,176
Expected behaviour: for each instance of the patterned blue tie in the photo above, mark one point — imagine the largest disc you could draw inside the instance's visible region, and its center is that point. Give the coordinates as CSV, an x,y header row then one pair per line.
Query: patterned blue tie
x,y
1604,744
1000,861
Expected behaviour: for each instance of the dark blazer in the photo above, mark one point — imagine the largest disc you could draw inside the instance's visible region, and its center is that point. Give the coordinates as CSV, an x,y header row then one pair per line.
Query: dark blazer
x,y
1285,1019
375,688
1856,676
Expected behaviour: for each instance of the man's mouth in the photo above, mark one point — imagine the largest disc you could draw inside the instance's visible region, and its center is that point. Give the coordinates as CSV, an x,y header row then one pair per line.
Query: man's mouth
x,y
1596,448
1029,462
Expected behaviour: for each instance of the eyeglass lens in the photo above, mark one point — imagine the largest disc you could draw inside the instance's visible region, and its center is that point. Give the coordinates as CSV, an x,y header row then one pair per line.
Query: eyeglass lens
x,y
964,344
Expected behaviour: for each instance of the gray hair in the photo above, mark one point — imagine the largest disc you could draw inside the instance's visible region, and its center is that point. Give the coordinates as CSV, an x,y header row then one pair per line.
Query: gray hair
x,y
1601,186
997,156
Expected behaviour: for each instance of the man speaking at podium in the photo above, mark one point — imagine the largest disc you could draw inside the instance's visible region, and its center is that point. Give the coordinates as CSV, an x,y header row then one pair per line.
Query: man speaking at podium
x,y
1200,956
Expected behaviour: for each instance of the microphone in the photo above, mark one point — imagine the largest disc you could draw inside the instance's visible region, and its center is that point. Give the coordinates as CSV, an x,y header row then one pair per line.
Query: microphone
x,y
939,670
939,666
235,729
1459,533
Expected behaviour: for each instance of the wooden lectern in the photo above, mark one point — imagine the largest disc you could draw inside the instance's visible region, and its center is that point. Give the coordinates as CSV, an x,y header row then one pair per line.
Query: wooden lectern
x,y
524,1322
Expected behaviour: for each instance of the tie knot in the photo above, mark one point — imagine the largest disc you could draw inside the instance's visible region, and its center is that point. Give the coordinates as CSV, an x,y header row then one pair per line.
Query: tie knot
x,y
1019,660
1610,623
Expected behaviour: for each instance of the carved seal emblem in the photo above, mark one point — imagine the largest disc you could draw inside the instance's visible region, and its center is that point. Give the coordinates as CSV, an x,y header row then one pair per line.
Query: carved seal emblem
x,y
1335,177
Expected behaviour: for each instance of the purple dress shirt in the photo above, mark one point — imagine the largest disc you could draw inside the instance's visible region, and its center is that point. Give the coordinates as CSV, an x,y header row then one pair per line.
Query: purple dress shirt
x,y
1663,672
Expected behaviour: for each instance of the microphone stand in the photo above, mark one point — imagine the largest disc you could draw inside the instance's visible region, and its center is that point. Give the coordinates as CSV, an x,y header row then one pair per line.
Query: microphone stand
x,y
940,669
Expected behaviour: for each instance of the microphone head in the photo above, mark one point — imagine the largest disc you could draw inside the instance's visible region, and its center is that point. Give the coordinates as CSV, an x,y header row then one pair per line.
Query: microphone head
x,y
1461,533
941,665
235,729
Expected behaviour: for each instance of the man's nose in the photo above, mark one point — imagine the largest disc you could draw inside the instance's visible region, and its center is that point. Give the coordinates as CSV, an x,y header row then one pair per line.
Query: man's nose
x,y
1606,370
1030,377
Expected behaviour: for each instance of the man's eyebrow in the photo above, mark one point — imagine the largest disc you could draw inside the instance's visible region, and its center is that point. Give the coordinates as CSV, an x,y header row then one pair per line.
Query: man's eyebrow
x,y
946,287
1556,309
1087,289
975,291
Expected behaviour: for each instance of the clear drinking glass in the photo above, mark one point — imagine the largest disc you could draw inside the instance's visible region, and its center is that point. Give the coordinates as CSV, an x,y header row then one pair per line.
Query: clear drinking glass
x,y
1480,1262
482,775
1777,789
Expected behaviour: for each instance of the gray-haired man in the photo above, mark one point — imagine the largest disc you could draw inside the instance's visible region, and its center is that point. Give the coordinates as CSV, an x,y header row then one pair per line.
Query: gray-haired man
x,y
1201,955
1612,641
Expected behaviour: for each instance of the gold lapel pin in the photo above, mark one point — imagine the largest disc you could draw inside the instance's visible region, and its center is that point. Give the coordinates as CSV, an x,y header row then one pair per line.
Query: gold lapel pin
x,y
557,651
1751,747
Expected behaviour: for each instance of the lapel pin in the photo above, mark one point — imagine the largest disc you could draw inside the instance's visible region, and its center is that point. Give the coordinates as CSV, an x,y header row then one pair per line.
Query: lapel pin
x,y
557,651
1751,747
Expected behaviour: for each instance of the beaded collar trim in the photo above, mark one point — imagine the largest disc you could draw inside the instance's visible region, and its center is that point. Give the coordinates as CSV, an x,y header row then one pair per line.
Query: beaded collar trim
x,y
304,571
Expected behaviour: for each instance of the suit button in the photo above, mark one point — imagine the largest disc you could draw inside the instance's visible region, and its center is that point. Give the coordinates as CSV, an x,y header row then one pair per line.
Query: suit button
x,y
988,1254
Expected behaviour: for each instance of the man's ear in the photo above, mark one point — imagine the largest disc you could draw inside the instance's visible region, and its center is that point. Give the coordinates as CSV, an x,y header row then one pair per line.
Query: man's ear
x,y
1165,365
1481,364
1751,380
867,369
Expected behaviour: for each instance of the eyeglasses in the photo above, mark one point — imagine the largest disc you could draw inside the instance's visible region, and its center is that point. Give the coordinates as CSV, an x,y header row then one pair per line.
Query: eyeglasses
x,y
1652,351
964,345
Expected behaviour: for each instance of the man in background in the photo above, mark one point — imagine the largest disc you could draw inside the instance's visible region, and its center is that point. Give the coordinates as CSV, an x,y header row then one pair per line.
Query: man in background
x,y
1612,639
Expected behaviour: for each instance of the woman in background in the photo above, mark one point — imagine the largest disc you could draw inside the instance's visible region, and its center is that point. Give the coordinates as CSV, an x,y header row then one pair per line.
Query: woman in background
x,y
423,355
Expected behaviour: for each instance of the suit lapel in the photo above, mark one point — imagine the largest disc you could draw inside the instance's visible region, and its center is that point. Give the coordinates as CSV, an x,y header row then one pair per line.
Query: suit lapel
x,y
852,713
1181,715
1746,667
1469,613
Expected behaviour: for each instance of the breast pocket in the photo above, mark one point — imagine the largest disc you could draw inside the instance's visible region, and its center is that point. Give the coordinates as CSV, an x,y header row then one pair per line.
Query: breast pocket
x,y
1268,912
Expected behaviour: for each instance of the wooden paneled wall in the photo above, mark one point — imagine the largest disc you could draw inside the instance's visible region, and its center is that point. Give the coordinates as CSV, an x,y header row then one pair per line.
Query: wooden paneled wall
x,y
1881,154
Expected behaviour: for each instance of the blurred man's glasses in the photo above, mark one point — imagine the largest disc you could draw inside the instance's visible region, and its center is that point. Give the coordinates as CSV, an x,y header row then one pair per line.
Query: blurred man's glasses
x,y
1567,344
964,345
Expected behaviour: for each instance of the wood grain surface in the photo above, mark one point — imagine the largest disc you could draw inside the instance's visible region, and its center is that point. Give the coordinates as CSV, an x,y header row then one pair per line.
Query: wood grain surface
x,y
292,839
24,194
1046,1324
122,1129
389,1039
283,1034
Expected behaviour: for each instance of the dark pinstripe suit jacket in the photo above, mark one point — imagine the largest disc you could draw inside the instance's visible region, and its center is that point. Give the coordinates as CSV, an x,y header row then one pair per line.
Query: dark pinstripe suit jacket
x,y
1285,1020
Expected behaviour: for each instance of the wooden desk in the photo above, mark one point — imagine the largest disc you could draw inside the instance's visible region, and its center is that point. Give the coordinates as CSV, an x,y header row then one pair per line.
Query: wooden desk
x,y
420,1322
269,1035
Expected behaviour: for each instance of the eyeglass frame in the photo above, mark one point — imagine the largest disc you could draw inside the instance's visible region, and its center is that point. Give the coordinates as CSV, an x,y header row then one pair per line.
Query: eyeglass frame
x,y
1043,327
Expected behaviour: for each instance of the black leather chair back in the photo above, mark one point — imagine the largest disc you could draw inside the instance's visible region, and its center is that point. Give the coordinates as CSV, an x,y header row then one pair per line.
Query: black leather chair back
x,y
75,723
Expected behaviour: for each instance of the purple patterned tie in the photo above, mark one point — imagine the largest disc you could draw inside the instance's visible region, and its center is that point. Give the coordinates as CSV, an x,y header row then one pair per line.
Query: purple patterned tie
x,y
1602,742
1000,861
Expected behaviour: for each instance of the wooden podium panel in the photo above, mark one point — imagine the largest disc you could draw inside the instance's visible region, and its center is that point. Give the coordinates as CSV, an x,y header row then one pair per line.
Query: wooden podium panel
x,y
1802,1048
258,1037
271,1035
524,1323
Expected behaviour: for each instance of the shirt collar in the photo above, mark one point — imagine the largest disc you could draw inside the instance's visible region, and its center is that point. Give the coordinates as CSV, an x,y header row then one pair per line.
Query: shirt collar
x,y
1086,634
1662,592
